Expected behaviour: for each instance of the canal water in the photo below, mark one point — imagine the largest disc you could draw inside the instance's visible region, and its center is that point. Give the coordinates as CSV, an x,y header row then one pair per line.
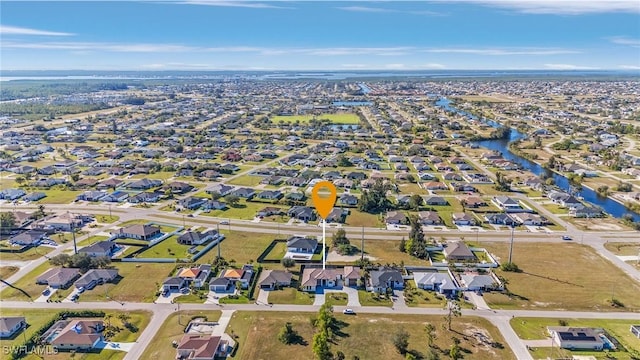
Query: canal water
x,y
609,206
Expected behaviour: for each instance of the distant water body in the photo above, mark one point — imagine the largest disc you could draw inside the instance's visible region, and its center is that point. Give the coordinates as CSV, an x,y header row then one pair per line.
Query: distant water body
x,y
293,75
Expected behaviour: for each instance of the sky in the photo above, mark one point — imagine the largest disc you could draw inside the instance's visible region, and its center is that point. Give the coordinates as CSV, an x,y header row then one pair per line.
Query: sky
x,y
320,35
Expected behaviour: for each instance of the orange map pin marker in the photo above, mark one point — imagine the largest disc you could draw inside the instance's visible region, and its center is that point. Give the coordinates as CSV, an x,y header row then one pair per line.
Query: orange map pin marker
x,y
324,205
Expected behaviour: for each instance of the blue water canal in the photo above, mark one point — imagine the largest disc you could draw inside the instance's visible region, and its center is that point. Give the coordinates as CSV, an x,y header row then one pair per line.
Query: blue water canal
x,y
610,206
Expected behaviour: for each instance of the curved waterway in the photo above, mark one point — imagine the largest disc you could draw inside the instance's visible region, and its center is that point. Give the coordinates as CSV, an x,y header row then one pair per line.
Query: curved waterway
x,y
609,206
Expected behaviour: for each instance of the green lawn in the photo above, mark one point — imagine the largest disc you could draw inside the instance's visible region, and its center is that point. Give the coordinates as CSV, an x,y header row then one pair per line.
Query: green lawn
x,y
620,248
107,219
421,298
139,283
241,299
171,330
7,271
371,299
29,254
243,210
386,251
92,239
290,296
341,118
277,252
246,180
536,328
560,277
336,299
359,218
167,248
367,336
26,288
57,196
38,318
242,247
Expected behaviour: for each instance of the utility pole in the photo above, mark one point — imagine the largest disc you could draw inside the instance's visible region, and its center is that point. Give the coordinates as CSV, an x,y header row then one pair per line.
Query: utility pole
x,y
362,246
73,233
219,241
511,246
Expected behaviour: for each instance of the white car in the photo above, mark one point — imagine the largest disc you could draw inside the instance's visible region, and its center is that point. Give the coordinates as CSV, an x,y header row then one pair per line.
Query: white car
x,y
348,312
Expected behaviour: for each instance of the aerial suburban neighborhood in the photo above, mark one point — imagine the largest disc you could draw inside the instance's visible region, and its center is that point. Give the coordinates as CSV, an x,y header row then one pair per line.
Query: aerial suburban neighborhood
x,y
171,214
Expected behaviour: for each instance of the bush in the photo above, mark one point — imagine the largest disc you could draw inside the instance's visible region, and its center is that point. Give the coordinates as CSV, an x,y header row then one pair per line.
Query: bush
x,y
511,267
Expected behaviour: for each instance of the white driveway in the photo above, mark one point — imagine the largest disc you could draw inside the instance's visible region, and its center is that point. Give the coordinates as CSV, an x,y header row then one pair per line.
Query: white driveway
x,y
319,299
117,346
477,300
225,318
398,301
43,298
68,298
263,297
168,299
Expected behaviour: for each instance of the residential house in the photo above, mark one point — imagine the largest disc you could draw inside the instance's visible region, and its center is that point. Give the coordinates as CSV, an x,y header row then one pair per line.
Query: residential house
x,y
221,189
429,218
95,277
196,275
214,205
144,197
116,196
302,213
221,285
396,218
435,200
179,187
101,248
139,232
198,238
458,251
81,334
384,278
28,238
506,203
441,282
245,193
314,278
462,219
202,347
500,219
11,325
144,184
473,201
337,215
586,212
274,279
348,199
303,245
192,202
270,195
65,222
343,183
12,194
243,275
478,282
530,219
269,211
59,278
35,196
92,195
174,283
435,185
112,183
577,338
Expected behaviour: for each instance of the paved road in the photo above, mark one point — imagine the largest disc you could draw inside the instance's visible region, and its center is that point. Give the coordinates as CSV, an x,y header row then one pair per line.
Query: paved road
x,y
500,318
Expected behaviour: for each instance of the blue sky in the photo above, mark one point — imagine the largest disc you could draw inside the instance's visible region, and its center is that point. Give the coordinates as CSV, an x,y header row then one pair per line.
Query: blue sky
x,y
320,35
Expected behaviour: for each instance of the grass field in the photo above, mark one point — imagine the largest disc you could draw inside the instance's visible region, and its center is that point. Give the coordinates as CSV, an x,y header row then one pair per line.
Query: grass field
x,y
107,219
38,318
7,271
623,249
59,196
359,335
241,246
290,296
29,254
168,248
359,218
25,288
386,251
421,298
277,252
172,329
370,299
92,239
341,118
536,328
246,180
139,283
336,299
243,210
561,277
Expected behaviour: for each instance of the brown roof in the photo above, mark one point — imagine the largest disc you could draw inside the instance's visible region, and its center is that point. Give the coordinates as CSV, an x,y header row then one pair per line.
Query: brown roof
x,y
79,332
199,347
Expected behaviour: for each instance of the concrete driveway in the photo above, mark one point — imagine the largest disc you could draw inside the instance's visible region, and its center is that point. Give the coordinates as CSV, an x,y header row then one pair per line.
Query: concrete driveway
x,y
118,346
168,299
319,299
263,297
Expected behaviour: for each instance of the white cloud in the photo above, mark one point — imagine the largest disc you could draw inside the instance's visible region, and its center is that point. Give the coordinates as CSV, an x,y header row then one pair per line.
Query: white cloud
x,y
234,3
562,7
623,40
568,67
369,9
395,66
433,66
630,67
503,52
15,30
88,46
354,66
365,9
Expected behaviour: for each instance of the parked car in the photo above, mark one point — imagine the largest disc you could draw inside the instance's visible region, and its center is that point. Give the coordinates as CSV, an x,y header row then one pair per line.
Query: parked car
x,y
348,312
80,289
566,237
184,290
225,222
46,291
